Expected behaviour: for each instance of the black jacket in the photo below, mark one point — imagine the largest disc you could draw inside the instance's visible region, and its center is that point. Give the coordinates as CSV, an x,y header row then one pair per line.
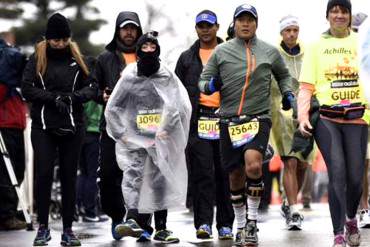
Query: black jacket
x,y
63,76
110,63
188,69
108,68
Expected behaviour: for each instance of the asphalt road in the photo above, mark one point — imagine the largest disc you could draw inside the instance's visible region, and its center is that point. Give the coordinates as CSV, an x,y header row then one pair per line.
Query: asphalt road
x,y
317,232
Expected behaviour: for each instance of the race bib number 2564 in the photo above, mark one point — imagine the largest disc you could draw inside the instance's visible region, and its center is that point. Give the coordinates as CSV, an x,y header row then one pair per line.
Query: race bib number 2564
x,y
241,134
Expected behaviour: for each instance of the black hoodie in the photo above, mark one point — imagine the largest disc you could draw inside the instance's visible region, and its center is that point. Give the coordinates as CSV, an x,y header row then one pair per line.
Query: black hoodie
x,y
110,63
123,16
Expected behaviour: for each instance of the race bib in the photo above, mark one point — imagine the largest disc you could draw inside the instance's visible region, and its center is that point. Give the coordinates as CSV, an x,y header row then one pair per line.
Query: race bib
x,y
208,128
345,92
241,134
148,121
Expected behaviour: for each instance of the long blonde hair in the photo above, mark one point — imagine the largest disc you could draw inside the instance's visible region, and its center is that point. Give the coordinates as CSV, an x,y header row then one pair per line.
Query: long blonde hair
x,y
42,61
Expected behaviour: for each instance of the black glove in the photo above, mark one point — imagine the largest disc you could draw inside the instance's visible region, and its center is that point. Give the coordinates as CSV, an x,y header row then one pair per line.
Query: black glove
x,y
77,97
61,104
288,101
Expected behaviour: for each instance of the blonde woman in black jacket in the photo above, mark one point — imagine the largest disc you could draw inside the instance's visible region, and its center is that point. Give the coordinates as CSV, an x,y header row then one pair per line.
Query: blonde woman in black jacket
x,y
56,81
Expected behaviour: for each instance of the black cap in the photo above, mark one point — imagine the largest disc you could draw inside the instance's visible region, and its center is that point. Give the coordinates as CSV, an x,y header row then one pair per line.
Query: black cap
x,y
344,3
57,27
245,8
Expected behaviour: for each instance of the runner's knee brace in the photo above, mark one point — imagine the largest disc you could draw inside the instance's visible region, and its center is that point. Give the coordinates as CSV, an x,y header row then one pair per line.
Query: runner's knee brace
x,y
254,187
238,198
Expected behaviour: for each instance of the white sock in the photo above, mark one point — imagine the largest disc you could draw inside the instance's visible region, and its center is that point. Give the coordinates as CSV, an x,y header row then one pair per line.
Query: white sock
x,y
240,213
253,203
293,208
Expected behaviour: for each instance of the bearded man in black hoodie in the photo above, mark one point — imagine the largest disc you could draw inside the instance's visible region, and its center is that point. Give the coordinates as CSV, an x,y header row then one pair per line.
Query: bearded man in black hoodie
x,y
119,52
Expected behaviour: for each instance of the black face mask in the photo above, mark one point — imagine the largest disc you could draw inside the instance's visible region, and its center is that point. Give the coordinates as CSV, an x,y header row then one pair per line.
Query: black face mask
x,y
148,63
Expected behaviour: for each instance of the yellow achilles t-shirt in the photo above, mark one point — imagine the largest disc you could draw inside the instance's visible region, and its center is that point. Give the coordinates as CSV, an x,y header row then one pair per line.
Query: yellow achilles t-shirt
x,y
332,65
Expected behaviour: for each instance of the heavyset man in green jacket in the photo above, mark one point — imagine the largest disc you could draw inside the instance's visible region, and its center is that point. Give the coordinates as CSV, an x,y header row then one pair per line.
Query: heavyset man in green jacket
x,y
241,70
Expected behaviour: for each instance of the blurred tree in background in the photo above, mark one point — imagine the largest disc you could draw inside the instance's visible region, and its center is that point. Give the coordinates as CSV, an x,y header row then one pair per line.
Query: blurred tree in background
x,y
82,27
9,9
33,28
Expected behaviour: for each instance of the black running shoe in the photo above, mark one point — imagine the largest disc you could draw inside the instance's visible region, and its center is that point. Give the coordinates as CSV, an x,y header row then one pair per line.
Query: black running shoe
x,y
42,237
204,232
165,236
69,238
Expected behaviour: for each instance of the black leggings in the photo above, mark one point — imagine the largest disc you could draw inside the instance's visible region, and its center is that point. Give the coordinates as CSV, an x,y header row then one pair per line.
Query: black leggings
x,y
343,147
47,147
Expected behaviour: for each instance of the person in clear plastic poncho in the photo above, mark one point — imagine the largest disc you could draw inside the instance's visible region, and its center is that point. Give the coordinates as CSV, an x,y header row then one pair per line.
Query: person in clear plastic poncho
x,y
148,116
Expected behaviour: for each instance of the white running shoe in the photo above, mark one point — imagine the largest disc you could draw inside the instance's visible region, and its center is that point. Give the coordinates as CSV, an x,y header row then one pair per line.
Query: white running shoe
x,y
364,218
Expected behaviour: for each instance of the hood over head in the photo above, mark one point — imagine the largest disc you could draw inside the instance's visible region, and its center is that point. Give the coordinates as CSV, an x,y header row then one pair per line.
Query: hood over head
x,y
123,18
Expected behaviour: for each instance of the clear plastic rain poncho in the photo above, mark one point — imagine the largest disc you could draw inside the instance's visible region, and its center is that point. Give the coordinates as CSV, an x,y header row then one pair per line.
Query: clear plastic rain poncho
x,y
364,41
149,120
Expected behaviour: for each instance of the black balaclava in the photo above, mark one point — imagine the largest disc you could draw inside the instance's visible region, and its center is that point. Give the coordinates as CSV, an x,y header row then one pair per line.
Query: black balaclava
x,y
148,62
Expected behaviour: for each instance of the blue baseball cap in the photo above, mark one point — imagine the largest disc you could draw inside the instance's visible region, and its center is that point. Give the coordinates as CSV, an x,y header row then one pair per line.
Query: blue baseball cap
x,y
206,16
245,8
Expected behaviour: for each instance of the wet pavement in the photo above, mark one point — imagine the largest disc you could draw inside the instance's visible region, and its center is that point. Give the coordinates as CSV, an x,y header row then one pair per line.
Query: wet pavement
x,y
317,232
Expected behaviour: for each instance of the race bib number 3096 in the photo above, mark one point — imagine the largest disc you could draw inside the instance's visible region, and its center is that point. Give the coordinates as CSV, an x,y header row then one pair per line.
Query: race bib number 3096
x,y
148,122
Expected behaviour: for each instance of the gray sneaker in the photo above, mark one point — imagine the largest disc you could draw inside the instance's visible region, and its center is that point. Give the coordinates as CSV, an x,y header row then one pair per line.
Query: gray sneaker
x,y
353,236
295,222
129,228
251,238
239,238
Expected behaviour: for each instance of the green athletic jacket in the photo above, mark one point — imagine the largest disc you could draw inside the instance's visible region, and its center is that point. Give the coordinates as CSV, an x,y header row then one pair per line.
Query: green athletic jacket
x,y
93,112
246,71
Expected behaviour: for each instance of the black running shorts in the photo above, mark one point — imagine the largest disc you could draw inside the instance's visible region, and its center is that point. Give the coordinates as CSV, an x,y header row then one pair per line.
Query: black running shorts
x,y
232,158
